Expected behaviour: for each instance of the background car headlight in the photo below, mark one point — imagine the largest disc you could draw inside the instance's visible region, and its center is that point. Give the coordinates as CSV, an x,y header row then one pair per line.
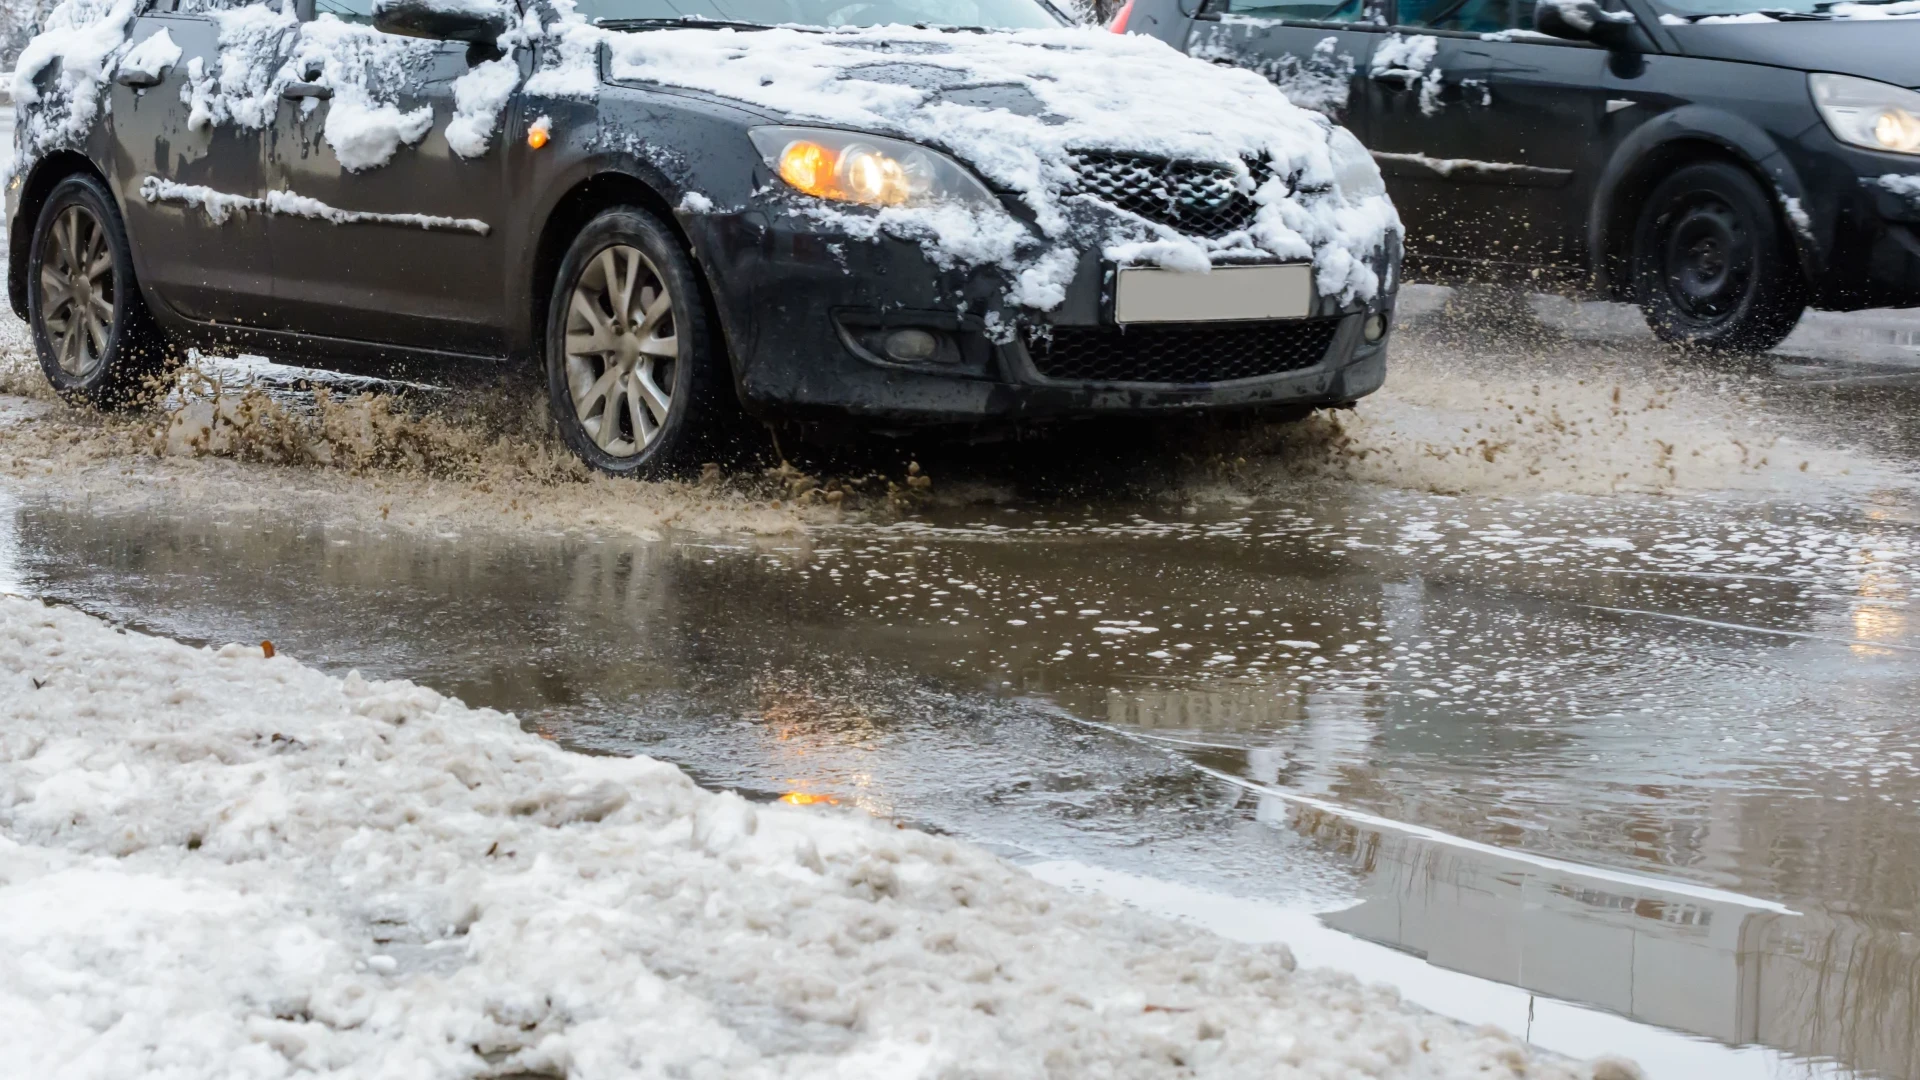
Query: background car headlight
x,y
1876,115
849,166
1354,171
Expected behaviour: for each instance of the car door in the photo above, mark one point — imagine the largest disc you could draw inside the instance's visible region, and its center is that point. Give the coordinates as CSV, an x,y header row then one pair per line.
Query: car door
x,y
1488,134
406,252
1315,51
204,259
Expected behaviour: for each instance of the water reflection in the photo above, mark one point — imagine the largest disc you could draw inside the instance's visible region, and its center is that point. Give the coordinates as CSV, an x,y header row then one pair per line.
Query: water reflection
x,y
1715,964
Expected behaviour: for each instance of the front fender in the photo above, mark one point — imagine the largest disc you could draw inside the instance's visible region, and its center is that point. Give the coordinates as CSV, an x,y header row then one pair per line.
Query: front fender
x,y
1664,143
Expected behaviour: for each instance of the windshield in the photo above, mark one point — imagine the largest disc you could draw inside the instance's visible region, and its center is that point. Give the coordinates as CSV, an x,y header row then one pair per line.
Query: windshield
x,y
986,14
1788,9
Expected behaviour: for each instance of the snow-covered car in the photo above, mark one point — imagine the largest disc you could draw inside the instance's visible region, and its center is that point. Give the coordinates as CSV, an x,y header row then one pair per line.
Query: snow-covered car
x,y
987,216
1722,163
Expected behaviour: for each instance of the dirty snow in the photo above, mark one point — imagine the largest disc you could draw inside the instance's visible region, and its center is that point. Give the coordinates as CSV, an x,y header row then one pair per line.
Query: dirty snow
x,y
219,864
220,205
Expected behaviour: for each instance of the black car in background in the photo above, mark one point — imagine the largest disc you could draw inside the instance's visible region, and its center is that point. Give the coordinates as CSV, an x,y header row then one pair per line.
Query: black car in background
x,y
1721,163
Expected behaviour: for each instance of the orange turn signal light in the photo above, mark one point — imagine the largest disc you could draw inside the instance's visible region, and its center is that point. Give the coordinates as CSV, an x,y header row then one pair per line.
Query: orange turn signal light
x,y
537,134
807,798
809,167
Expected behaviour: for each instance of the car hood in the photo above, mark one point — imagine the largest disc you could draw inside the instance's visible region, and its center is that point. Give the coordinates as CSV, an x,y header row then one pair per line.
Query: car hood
x,y
1883,49
1007,103
1018,106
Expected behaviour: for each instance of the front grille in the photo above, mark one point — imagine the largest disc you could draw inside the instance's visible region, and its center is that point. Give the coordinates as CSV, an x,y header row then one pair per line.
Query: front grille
x,y
1181,352
1195,198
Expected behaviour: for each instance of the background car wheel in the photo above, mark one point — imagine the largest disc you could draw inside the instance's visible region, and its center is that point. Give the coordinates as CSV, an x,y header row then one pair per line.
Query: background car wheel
x,y
96,340
1713,267
637,381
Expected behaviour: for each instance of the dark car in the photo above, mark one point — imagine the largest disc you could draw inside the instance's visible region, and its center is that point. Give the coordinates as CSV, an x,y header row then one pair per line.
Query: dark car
x,y
672,205
1721,163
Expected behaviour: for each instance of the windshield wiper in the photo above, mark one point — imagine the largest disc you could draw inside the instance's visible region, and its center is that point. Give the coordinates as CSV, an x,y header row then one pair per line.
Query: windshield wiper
x,y
682,22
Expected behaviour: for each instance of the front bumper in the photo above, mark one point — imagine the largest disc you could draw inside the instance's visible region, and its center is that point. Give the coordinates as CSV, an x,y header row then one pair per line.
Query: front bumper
x,y
807,310
1866,237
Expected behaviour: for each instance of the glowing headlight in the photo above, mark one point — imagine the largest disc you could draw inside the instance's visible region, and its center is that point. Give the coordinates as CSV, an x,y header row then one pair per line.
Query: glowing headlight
x,y
1876,115
851,167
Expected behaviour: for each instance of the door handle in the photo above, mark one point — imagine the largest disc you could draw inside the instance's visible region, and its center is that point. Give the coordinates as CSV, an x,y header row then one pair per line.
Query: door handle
x,y
300,90
138,80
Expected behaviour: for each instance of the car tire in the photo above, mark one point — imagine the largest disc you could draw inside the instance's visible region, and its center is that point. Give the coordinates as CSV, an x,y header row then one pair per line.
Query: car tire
x,y
637,379
96,340
1713,266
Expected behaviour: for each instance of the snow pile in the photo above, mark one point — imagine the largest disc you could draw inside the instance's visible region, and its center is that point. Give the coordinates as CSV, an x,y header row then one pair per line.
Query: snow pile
x,y
1409,61
1903,185
214,863
82,36
1320,82
479,97
151,58
1902,9
1096,91
263,47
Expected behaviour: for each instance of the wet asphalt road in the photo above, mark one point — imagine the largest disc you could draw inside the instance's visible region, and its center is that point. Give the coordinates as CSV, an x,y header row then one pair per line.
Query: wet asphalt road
x,y
1626,773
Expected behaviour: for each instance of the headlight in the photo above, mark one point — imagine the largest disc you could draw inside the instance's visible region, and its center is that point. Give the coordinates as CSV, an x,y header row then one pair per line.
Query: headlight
x,y
852,167
1876,115
1354,172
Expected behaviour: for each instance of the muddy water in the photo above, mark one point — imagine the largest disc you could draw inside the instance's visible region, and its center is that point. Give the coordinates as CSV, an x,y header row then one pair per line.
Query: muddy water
x,y
1620,771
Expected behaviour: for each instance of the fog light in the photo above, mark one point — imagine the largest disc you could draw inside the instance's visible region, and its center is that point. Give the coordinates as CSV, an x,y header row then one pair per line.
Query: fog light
x,y
1375,328
912,346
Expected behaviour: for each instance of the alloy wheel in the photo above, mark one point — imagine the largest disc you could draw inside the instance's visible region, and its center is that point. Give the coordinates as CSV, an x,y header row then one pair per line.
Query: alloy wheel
x,y
77,292
621,350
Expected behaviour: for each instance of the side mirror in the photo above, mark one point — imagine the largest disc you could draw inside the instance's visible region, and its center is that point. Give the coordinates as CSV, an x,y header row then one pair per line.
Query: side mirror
x,y
1585,20
477,22
1206,10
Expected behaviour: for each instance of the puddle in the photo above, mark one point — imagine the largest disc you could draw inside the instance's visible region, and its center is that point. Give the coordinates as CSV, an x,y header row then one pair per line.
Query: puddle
x,y
1632,761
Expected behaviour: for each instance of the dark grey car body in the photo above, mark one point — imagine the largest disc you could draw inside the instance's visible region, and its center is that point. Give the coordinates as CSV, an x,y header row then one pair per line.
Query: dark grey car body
x,y
798,301
1546,145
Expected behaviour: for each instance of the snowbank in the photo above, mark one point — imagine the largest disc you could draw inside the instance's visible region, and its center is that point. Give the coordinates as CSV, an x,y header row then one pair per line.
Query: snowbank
x,y
212,863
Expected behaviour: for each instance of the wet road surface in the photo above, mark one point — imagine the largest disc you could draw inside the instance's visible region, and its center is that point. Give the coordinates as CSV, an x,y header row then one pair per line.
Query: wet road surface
x,y
1625,772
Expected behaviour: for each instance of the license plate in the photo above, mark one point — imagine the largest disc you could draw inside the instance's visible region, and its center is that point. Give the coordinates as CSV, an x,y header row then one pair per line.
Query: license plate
x,y
1148,294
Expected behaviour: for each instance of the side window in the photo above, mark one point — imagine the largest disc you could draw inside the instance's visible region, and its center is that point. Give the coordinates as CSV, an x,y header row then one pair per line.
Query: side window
x,y
1334,11
353,11
1470,16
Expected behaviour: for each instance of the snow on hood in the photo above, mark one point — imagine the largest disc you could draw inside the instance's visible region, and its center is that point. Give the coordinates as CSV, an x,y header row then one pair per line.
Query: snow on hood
x,y
1083,89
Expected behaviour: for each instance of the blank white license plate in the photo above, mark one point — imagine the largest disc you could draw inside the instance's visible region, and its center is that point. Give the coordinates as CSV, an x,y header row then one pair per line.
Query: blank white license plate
x,y
1147,294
